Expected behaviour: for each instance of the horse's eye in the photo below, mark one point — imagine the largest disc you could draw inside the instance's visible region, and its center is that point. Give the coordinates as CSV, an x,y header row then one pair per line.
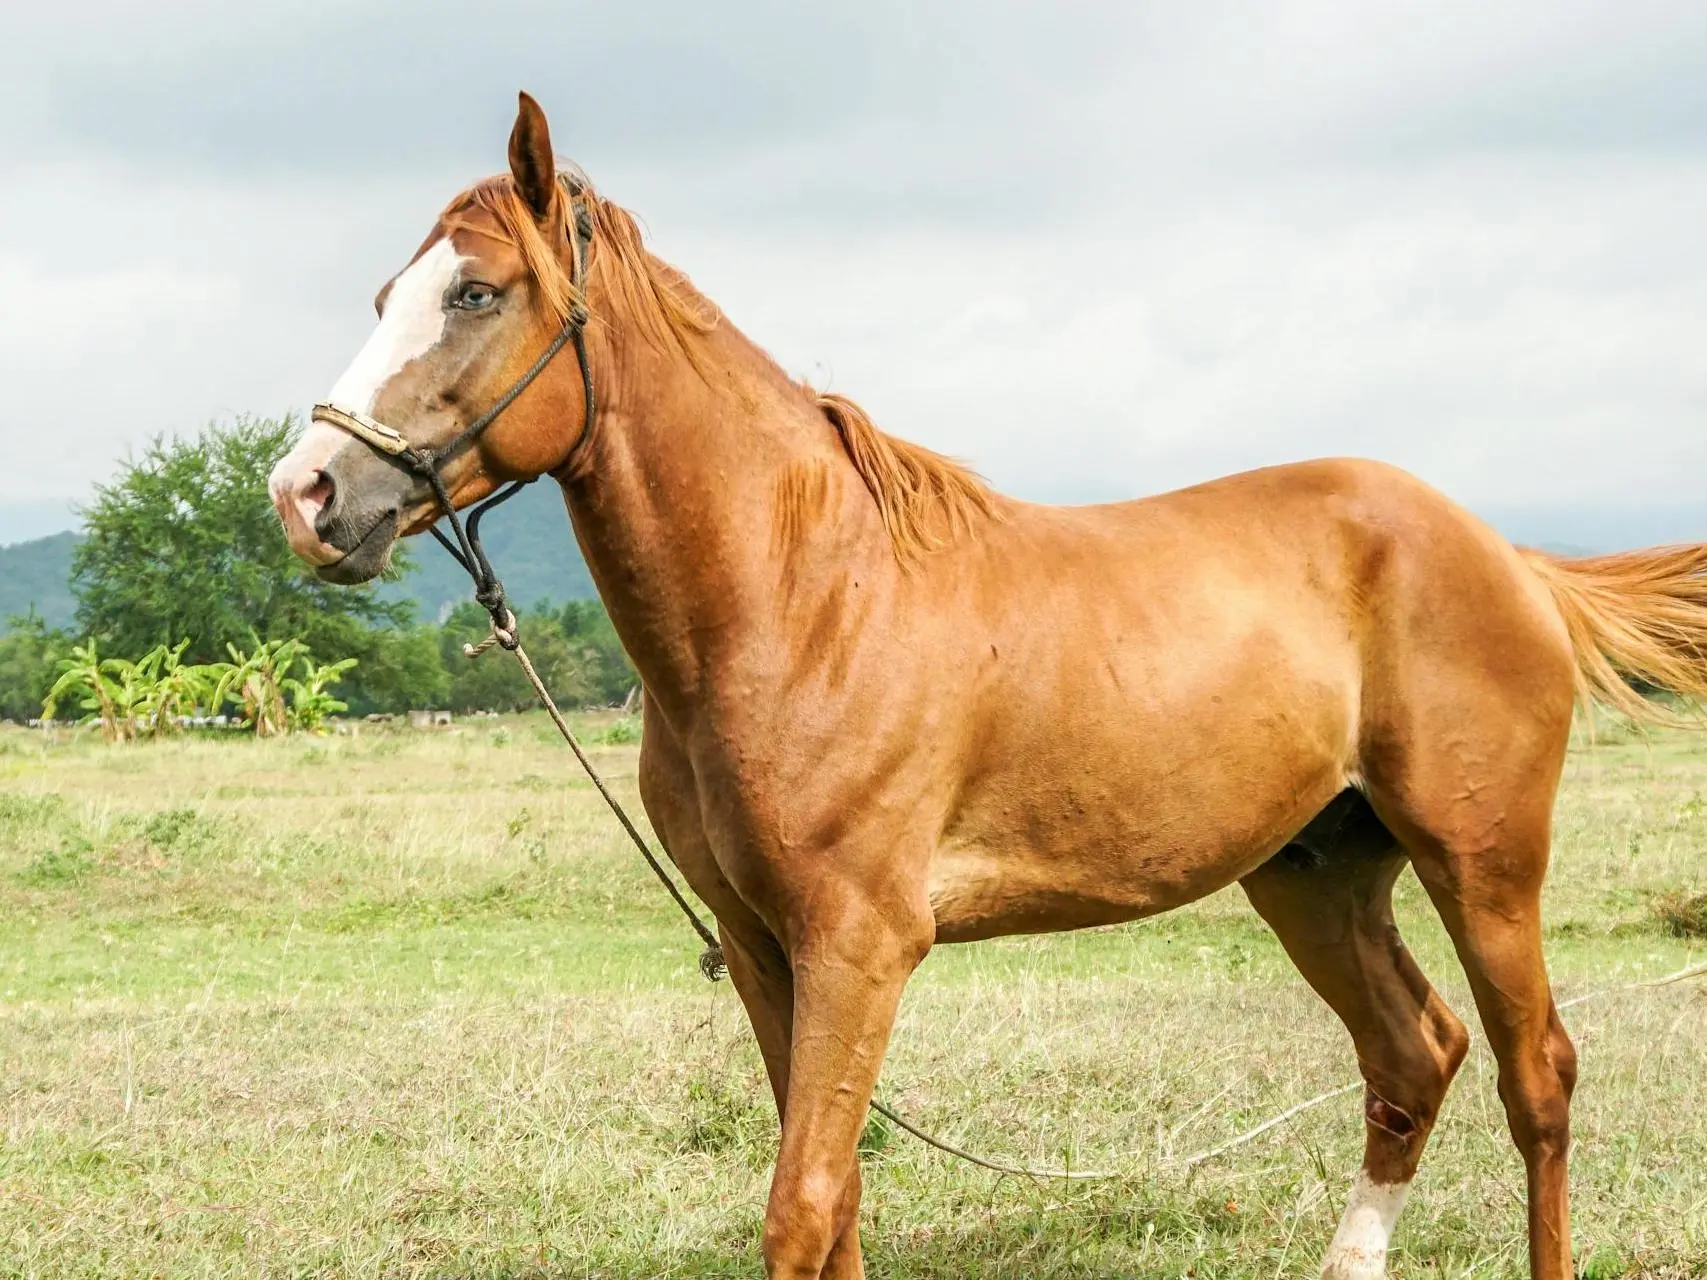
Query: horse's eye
x,y
475,297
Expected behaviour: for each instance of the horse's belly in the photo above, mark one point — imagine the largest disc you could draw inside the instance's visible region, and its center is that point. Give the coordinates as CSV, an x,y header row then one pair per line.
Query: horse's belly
x,y
1103,846
982,892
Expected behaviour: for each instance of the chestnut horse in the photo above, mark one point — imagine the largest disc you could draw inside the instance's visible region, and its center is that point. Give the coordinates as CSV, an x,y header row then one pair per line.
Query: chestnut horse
x,y
886,707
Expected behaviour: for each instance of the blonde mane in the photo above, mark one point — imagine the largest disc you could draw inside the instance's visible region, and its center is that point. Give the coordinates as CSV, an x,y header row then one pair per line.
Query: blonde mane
x,y
926,501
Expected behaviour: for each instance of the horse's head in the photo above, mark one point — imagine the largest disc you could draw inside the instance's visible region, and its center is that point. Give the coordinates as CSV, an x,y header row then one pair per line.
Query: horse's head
x,y
486,293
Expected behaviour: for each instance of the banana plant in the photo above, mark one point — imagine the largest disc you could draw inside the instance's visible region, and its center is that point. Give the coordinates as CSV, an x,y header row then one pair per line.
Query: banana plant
x,y
174,688
253,681
132,684
310,703
91,679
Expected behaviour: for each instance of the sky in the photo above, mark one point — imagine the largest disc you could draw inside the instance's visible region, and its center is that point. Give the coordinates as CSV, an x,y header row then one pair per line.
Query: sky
x,y
1098,250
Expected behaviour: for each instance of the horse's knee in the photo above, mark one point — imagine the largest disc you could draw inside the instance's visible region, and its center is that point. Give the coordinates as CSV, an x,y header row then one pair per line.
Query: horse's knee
x,y
1538,1109
1450,1039
1411,1073
1536,1090
844,1262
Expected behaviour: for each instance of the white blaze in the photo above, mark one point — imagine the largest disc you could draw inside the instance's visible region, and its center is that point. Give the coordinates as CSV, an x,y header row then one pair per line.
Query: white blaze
x,y
413,324
1359,1247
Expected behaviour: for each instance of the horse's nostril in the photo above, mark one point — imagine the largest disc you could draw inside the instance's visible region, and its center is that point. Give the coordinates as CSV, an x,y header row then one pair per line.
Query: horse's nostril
x,y
318,497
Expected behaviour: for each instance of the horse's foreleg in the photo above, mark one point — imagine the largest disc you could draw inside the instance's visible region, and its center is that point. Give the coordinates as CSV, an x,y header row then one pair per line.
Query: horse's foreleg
x,y
759,968
847,979
765,982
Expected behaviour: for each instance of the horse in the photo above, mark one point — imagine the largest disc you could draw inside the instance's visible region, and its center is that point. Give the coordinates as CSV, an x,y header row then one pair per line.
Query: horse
x,y
886,707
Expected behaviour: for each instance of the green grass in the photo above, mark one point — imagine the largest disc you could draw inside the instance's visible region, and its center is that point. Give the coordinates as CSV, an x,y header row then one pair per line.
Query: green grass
x,y
396,1006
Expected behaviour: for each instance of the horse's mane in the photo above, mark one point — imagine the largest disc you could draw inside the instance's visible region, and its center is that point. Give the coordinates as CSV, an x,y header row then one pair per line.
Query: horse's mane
x,y
926,500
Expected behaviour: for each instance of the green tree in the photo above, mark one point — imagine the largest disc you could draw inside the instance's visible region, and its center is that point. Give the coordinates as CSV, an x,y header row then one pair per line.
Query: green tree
x,y
398,667
185,543
29,662
604,663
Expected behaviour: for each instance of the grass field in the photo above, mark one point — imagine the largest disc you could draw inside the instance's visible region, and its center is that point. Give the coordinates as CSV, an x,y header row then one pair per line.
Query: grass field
x,y
403,1006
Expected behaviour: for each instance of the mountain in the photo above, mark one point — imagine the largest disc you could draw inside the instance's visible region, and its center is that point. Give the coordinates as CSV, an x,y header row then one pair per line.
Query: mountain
x,y
37,575
528,540
530,544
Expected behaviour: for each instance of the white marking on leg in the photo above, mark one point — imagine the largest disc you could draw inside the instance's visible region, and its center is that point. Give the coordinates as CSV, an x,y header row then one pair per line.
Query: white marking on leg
x,y
1359,1248
412,325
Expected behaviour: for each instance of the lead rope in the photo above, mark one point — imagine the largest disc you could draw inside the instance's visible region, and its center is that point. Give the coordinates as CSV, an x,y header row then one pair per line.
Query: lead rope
x,y
711,962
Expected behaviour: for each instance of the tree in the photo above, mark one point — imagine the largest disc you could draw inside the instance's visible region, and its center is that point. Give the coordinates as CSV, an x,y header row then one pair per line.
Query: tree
x,y
399,667
607,672
185,543
29,661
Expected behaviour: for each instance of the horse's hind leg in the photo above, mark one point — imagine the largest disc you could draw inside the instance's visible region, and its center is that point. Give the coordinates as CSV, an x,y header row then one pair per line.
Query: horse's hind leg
x,y
1330,901
1474,811
1490,901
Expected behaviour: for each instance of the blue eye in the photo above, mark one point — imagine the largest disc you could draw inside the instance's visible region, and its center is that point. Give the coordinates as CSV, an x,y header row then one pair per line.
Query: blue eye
x,y
474,297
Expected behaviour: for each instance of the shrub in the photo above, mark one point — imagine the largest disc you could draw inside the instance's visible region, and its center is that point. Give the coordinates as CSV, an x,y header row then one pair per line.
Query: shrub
x,y
277,686
1683,915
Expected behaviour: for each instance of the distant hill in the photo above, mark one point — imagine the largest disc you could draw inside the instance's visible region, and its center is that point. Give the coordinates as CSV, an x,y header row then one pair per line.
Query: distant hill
x,y
37,574
530,544
528,538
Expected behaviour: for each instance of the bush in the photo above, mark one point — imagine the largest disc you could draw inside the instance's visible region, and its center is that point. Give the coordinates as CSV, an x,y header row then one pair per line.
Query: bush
x,y
1683,915
29,659
494,681
277,687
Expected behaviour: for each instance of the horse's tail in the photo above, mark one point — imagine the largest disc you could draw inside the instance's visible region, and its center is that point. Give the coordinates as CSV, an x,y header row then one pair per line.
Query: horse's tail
x,y
1634,618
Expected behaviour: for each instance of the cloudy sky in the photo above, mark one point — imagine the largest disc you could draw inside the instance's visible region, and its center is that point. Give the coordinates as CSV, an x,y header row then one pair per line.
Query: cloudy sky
x,y
1098,249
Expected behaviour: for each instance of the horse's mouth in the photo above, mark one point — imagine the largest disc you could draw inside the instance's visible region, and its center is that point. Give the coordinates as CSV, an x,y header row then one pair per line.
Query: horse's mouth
x,y
367,559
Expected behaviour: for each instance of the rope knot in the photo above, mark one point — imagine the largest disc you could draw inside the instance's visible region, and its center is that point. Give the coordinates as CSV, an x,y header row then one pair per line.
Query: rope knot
x,y
712,964
503,634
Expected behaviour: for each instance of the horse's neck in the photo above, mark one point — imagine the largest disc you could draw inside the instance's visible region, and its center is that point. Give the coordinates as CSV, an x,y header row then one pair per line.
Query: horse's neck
x,y
706,498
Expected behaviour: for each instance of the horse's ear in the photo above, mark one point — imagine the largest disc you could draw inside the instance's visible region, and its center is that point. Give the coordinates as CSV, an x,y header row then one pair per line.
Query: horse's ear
x,y
530,158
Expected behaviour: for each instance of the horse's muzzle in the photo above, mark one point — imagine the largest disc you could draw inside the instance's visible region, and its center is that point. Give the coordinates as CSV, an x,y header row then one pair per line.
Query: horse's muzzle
x,y
367,559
